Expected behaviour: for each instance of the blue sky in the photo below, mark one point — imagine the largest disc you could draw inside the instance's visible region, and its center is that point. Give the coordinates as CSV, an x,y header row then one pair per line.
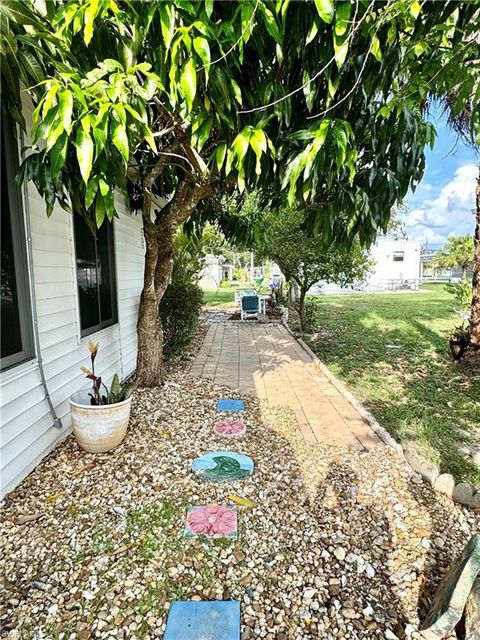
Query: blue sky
x,y
442,203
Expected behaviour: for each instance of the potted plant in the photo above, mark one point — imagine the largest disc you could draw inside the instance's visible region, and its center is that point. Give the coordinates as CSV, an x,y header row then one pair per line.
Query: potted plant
x,y
459,341
100,416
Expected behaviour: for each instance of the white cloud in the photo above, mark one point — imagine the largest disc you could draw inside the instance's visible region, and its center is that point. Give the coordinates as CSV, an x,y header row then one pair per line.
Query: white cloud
x,y
449,213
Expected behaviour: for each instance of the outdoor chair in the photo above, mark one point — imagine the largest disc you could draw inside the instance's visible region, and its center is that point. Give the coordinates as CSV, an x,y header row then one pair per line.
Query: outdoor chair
x,y
249,306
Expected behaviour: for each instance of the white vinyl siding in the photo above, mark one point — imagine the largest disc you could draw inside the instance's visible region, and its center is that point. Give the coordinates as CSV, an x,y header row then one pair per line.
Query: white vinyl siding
x,y
27,433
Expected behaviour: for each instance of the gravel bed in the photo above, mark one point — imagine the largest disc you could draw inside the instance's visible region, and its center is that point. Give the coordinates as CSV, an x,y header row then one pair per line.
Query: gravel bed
x,y
337,544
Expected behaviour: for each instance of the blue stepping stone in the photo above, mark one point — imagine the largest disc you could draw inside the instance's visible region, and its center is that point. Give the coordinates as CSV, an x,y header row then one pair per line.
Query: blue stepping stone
x,y
230,405
189,620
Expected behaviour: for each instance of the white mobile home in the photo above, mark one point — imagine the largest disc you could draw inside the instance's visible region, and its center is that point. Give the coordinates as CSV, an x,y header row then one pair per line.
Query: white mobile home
x,y
396,266
61,286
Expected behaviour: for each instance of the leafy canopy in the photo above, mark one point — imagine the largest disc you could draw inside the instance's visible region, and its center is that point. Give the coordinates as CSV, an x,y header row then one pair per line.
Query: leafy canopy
x,y
458,252
305,258
320,102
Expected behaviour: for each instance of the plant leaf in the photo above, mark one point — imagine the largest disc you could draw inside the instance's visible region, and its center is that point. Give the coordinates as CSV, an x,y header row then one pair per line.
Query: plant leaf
x,y
84,145
188,82
120,140
325,10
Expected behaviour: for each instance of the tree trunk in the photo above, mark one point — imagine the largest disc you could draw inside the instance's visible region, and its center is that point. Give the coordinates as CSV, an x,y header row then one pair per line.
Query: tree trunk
x,y
301,309
149,326
475,310
159,253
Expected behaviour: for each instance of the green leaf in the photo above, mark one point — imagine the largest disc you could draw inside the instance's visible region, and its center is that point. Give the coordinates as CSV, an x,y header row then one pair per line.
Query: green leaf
x,y
58,154
375,49
65,109
91,191
313,32
202,47
220,154
188,82
90,13
84,145
270,23
342,17
167,20
340,47
104,188
99,211
241,144
120,140
325,10
209,7
258,142
415,9
53,136
237,93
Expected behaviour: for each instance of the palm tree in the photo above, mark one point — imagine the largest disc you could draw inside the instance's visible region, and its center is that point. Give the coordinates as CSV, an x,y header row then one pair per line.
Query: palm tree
x,y
458,252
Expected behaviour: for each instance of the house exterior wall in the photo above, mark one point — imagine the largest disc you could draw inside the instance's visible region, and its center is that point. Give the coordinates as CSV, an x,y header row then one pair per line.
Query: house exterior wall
x,y
27,433
386,268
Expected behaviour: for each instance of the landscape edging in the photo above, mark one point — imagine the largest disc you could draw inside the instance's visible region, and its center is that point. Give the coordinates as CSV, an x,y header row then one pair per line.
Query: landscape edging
x,y
460,492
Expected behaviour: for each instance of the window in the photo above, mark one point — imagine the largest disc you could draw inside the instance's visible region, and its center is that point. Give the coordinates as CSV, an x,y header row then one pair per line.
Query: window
x,y
398,256
17,336
95,276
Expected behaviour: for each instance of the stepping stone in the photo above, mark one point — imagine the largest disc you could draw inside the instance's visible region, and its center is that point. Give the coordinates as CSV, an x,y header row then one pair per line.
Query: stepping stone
x,y
230,405
452,593
188,620
212,520
229,428
222,466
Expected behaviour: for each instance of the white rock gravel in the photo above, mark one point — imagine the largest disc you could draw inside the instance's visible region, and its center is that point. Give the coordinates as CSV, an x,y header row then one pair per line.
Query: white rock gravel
x,y
339,544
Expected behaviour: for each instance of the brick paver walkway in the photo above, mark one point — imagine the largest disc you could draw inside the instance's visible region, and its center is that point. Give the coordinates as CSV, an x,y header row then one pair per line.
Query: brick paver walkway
x,y
267,362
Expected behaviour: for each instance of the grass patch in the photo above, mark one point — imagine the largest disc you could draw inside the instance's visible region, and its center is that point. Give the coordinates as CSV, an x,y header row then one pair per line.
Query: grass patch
x,y
218,297
392,351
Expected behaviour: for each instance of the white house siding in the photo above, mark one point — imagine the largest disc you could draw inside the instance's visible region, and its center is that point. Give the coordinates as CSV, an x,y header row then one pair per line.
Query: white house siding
x,y
27,433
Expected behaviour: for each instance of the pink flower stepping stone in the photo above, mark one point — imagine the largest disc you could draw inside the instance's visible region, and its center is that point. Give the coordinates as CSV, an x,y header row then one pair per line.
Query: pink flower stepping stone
x,y
213,520
229,428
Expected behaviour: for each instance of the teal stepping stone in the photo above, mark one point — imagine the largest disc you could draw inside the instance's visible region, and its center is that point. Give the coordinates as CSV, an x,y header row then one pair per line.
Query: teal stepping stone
x,y
226,404
222,466
190,620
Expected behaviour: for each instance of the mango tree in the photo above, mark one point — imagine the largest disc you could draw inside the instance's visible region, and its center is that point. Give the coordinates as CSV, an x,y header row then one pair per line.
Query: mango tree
x,y
176,102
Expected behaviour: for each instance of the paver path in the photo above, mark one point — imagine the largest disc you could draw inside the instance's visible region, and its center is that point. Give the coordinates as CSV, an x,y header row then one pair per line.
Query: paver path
x,y
266,361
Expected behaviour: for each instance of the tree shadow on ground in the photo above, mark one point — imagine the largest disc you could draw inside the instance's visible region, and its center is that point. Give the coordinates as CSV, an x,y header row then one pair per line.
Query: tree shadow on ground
x,y
366,535
451,529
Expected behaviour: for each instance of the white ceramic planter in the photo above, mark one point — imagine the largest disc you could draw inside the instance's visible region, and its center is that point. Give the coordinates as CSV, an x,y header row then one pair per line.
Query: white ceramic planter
x,y
98,428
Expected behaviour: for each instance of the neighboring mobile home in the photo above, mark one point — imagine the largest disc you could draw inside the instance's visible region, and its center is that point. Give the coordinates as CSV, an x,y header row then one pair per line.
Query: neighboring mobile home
x,y
396,266
60,287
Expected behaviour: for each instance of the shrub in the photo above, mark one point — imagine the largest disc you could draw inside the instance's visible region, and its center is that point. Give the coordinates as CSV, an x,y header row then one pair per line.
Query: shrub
x,y
462,294
225,284
179,311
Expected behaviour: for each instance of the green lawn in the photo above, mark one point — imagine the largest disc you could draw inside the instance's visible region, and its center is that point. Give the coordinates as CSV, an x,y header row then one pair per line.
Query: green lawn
x,y
218,297
392,351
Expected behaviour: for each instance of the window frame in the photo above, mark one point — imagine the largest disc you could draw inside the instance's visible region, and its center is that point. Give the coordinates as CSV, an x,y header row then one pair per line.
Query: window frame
x,y
19,244
398,256
113,271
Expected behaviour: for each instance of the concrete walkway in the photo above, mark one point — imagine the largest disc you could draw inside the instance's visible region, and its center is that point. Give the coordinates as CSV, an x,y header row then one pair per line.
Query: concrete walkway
x,y
264,360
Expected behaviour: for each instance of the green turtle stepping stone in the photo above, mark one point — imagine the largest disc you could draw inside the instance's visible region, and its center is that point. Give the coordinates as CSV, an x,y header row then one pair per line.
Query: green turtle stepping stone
x,y
211,520
230,405
452,593
189,620
222,466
